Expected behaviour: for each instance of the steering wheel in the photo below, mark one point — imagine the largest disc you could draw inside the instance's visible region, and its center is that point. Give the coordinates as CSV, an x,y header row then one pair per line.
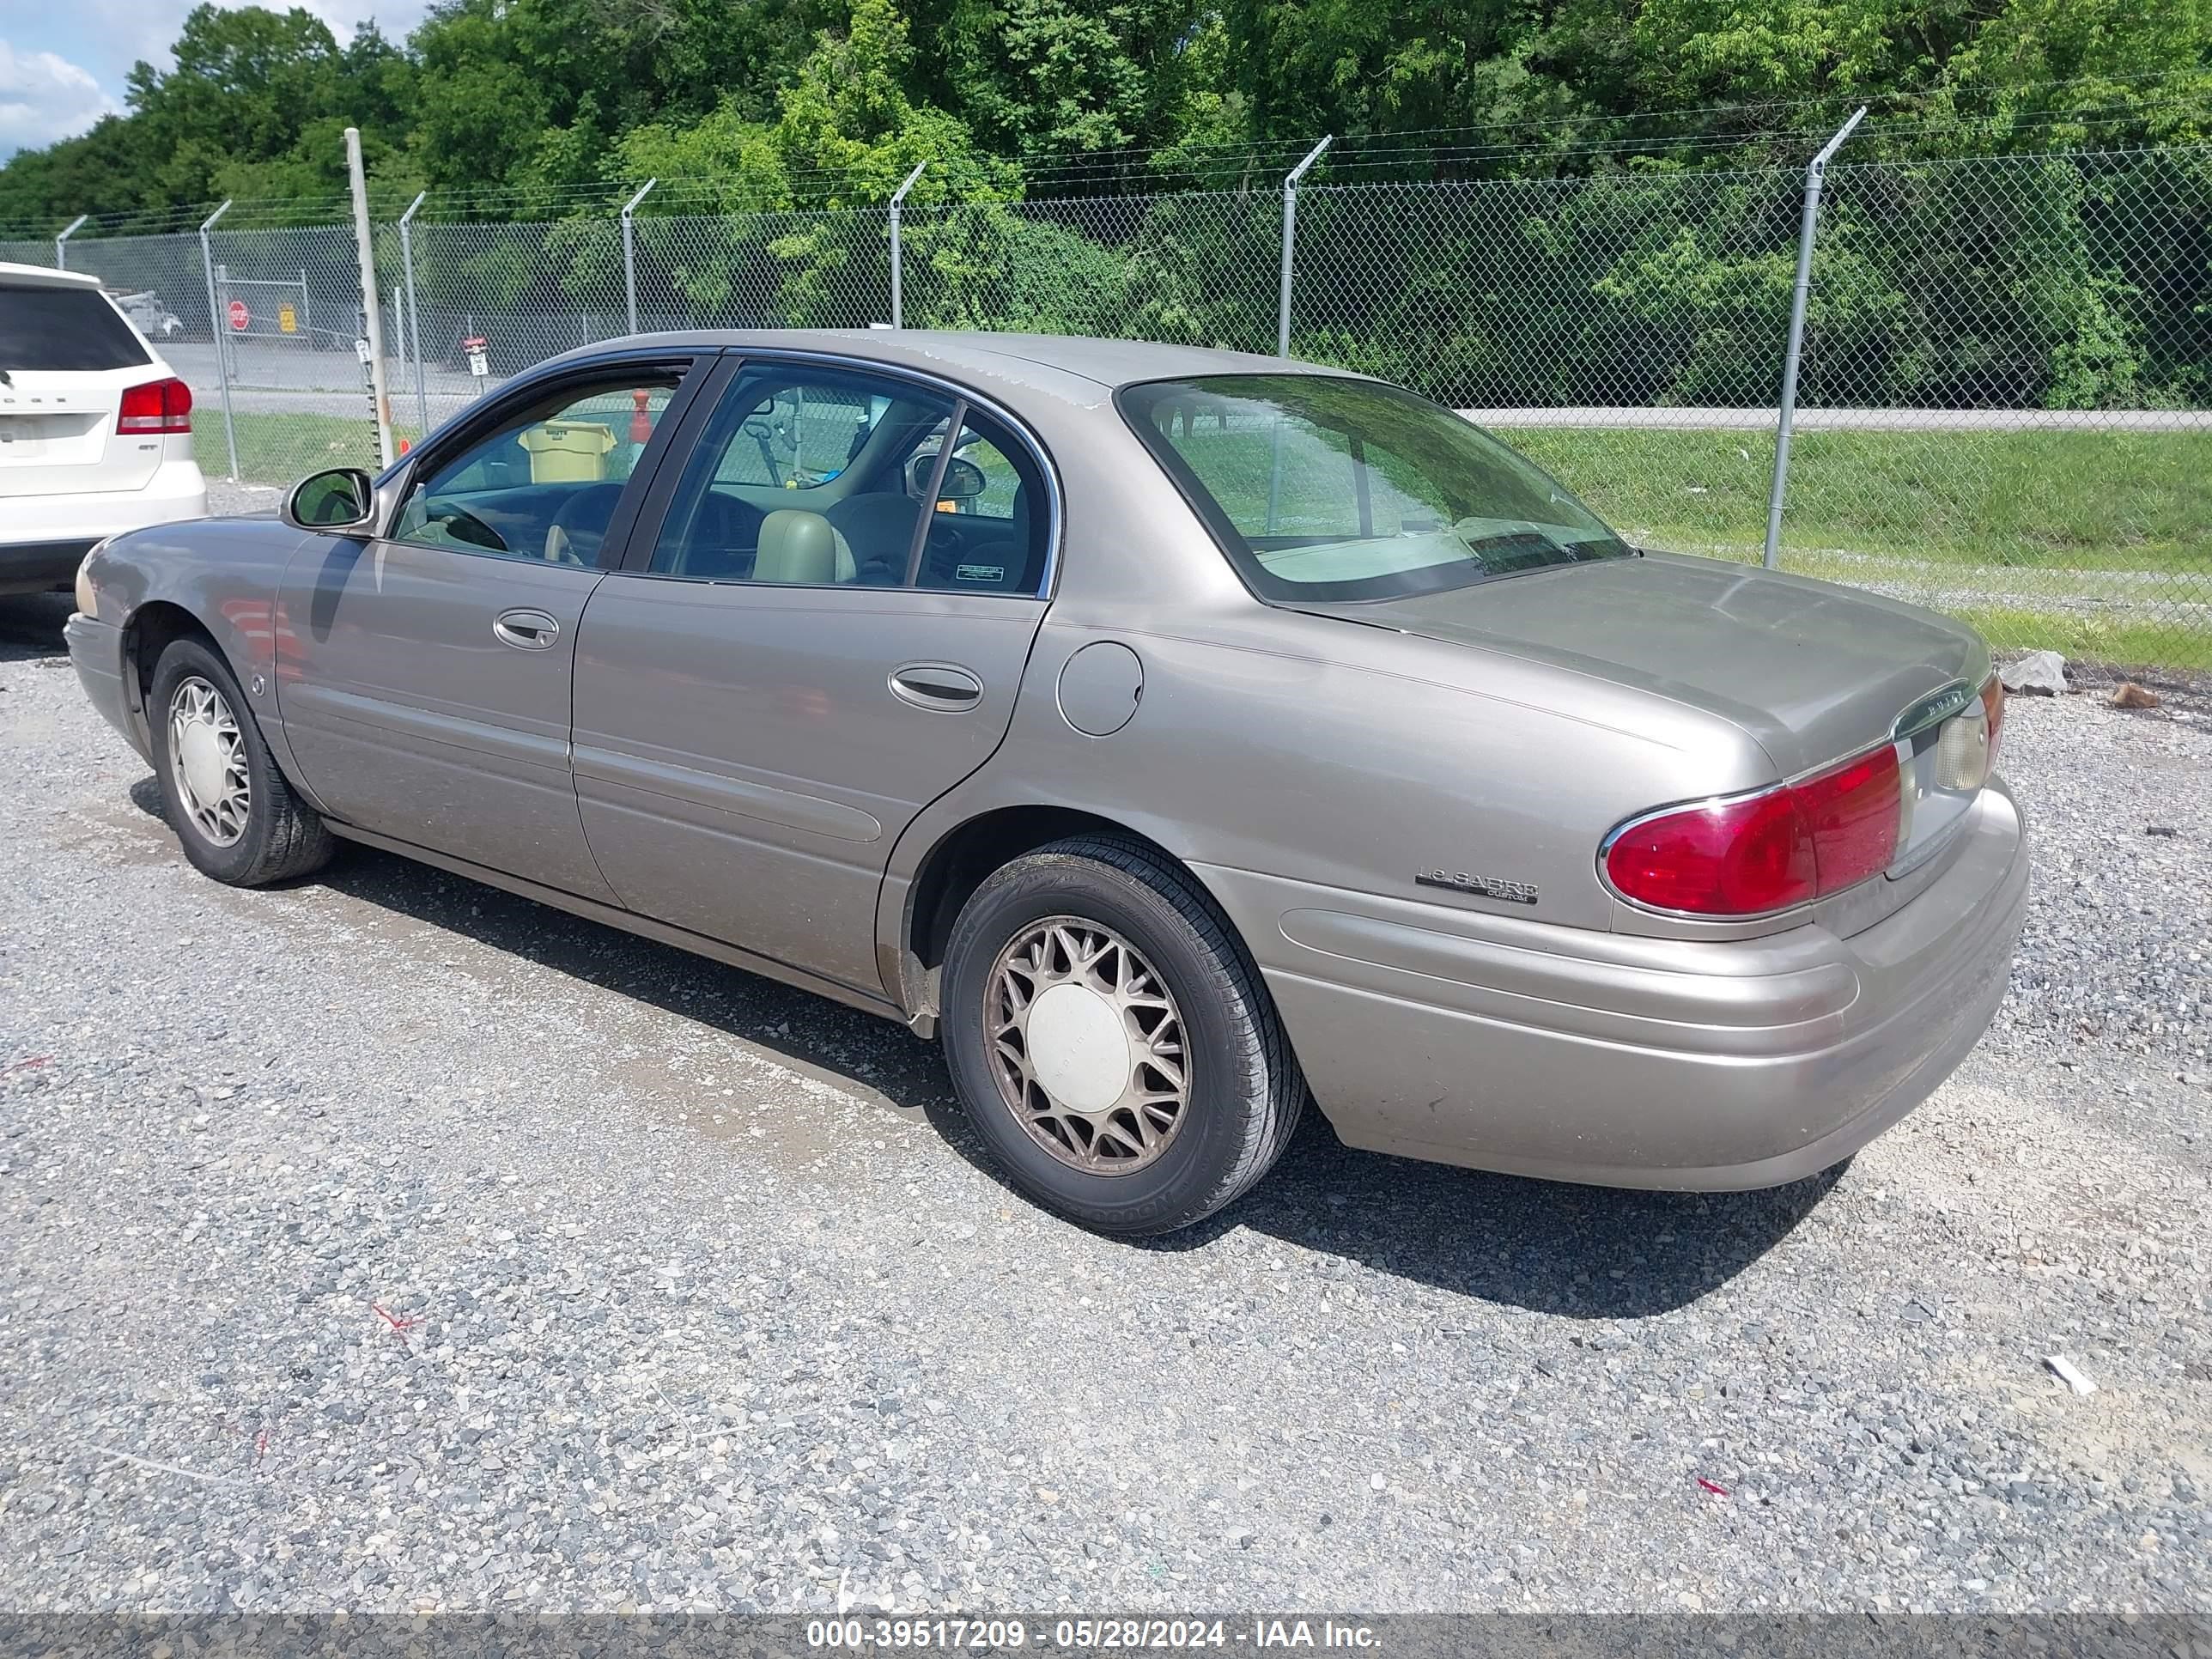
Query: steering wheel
x,y
464,525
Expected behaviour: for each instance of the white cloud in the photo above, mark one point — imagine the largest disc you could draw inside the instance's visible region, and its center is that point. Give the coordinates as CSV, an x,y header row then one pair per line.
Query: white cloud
x,y
43,97
47,93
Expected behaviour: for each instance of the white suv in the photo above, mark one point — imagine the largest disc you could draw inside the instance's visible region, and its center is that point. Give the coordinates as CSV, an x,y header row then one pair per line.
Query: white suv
x,y
95,432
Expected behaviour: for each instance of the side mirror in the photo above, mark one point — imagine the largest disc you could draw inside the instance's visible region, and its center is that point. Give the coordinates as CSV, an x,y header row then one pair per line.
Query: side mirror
x,y
342,499
964,481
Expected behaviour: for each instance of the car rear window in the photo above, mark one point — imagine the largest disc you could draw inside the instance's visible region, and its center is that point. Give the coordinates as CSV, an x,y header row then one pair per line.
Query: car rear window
x,y
65,328
1323,487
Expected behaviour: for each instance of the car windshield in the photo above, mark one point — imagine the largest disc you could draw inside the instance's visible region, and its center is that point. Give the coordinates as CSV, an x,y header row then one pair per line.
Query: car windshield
x,y
1321,488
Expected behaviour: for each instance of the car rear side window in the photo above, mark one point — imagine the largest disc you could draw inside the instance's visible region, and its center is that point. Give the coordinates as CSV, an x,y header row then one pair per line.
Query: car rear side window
x,y
810,475
1321,487
66,329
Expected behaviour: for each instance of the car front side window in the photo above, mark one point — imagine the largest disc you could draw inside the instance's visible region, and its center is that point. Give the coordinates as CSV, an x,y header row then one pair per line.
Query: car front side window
x,y
544,484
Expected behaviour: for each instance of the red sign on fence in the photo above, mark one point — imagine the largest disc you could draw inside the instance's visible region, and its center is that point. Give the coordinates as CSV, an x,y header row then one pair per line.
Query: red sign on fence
x,y
240,316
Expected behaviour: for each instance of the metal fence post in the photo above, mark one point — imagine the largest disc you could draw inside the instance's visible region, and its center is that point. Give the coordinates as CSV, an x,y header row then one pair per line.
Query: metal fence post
x,y
214,338
371,320
630,251
898,206
413,345
1786,415
61,242
1290,246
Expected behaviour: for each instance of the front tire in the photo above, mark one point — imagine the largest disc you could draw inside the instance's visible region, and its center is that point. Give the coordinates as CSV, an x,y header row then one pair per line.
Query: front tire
x,y
1110,1041
235,815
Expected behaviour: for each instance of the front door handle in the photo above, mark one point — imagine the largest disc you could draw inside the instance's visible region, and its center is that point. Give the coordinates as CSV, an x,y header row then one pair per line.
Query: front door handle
x,y
942,686
526,630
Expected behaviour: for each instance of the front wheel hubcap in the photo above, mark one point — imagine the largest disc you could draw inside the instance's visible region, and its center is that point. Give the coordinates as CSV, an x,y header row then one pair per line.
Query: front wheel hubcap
x,y
208,755
1087,1046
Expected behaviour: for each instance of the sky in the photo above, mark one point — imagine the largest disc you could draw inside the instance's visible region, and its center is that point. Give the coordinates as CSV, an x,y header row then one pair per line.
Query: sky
x,y
63,62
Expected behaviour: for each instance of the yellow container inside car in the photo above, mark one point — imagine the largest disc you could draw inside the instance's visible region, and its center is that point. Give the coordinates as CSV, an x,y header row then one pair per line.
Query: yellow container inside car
x,y
568,452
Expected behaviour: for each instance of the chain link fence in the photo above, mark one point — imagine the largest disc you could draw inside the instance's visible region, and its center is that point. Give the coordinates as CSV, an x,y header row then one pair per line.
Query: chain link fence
x,y
2004,404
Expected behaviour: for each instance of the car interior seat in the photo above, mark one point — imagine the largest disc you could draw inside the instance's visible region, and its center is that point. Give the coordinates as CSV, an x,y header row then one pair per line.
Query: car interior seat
x,y
878,527
797,546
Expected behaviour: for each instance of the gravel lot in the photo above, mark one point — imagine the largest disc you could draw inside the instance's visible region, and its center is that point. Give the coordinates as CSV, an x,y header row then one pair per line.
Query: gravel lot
x,y
390,1242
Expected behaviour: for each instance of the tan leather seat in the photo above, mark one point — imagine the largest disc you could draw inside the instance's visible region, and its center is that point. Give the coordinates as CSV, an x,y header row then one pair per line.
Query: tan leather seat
x,y
804,548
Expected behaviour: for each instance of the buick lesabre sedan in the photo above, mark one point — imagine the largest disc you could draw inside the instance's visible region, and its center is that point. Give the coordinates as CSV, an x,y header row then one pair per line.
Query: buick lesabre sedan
x,y
1178,734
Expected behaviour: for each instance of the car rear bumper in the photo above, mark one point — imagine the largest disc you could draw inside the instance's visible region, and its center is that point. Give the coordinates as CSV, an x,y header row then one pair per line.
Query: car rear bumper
x,y
95,650
43,538
37,567
1457,1035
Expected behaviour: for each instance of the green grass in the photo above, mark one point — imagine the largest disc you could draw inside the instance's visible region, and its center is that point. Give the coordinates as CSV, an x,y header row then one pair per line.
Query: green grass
x,y
2097,544
2132,501
2120,645
283,448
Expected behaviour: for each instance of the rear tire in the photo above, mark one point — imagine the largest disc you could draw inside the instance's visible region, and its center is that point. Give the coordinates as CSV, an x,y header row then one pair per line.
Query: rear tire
x,y
1091,966
235,815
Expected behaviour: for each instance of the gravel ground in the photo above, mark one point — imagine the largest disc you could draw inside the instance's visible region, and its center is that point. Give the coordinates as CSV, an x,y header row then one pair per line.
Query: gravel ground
x,y
224,498
390,1242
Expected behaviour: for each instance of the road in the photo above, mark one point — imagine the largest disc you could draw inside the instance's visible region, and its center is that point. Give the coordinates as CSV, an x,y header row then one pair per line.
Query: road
x,y
387,1242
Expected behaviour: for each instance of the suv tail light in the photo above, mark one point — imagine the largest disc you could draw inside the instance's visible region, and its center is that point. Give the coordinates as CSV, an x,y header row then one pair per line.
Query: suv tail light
x,y
157,406
1756,854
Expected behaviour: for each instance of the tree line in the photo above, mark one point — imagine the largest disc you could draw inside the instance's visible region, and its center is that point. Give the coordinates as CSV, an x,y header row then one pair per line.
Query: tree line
x,y
1575,202
790,103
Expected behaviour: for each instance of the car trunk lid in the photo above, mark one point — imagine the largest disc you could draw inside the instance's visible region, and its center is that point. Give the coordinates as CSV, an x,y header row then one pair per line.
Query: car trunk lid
x,y
1814,672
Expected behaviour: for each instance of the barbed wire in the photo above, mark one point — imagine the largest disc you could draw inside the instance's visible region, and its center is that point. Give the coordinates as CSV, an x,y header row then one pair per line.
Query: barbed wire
x,y
1576,141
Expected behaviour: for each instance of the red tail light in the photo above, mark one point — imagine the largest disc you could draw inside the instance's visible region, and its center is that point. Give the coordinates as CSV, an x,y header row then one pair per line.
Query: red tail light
x,y
157,406
1993,701
1784,846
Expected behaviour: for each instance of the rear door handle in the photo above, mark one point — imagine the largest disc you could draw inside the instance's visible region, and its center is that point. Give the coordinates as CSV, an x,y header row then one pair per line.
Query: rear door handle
x,y
526,630
942,686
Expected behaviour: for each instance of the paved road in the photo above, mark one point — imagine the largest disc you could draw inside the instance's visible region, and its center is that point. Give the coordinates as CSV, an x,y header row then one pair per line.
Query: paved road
x,y
383,1241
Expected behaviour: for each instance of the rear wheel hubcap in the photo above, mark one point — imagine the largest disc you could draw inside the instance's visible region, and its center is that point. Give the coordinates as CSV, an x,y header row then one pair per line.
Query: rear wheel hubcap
x,y
1087,1046
207,753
